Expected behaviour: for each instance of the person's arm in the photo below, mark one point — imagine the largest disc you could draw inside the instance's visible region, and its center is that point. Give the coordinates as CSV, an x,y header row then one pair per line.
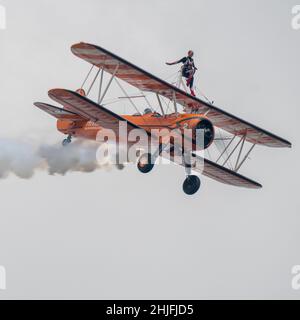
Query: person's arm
x,y
171,63
176,62
195,68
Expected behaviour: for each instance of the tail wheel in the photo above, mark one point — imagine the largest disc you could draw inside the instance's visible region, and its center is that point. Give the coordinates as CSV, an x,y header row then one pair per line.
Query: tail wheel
x,y
145,163
67,141
191,185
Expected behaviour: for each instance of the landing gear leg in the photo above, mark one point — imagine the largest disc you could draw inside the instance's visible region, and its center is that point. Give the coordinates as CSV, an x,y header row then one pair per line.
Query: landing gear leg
x,y
67,141
119,164
192,183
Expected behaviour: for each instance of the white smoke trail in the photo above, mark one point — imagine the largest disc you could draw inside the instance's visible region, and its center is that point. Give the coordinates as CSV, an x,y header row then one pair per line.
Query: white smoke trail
x,y
24,158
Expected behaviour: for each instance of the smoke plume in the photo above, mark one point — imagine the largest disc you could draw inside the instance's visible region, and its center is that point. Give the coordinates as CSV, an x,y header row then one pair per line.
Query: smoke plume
x,y
25,158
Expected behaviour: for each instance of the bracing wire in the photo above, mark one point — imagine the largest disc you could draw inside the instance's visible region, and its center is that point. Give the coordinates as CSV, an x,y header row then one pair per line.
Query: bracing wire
x,y
226,152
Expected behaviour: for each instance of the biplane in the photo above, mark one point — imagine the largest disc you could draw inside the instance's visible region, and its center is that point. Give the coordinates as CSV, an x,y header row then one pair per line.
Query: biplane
x,y
82,116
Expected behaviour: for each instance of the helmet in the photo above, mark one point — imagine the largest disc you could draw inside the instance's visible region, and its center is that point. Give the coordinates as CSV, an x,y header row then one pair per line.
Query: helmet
x,y
147,111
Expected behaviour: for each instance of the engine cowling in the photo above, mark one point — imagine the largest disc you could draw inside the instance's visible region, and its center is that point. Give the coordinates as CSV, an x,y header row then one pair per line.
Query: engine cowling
x,y
208,131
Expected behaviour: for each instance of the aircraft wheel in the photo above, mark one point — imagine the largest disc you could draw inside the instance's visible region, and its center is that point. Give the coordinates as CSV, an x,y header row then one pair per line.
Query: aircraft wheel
x,y
67,141
191,185
120,166
145,163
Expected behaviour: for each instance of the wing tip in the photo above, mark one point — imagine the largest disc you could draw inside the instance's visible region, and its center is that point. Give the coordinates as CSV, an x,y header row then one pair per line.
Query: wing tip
x,y
79,45
74,46
41,105
37,104
285,143
55,91
258,185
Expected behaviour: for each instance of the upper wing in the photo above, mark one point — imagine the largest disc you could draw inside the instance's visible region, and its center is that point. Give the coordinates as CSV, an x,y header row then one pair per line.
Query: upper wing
x,y
147,82
89,109
58,113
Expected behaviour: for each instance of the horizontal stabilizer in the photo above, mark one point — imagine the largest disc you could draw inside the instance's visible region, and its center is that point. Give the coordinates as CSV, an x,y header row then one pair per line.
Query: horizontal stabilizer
x,y
89,109
59,113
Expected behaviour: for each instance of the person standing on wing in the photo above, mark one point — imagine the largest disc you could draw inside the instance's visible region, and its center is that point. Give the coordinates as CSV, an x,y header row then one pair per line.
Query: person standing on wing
x,y
188,69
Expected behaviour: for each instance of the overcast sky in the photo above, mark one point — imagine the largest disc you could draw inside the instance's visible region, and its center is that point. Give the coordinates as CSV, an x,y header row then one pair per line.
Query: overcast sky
x,y
124,235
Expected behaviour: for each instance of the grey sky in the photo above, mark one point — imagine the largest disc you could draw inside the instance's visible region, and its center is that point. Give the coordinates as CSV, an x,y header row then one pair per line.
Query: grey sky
x,y
124,235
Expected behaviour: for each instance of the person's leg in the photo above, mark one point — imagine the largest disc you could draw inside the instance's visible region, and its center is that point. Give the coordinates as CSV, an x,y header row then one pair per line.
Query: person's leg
x,y
190,80
185,75
192,86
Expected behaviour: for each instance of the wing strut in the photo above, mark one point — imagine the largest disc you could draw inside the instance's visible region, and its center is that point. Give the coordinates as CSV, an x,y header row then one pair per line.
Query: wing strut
x,y
100,85
175,102
160,105
109,83
240,152
232,152
87,76
226,148
127,96
93,82
244,159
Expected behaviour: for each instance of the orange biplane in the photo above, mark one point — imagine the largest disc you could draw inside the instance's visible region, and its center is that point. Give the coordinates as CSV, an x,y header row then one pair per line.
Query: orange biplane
x,y
83,117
